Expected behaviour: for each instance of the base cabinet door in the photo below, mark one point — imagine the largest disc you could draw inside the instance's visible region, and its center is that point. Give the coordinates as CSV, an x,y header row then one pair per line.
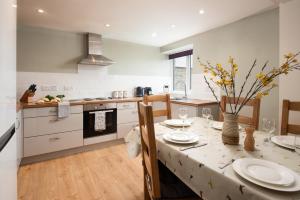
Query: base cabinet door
x,y
51,143
123,129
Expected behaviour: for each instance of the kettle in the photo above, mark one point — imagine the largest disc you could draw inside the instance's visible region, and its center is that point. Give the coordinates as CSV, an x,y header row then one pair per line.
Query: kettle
x,y
139,91
148,91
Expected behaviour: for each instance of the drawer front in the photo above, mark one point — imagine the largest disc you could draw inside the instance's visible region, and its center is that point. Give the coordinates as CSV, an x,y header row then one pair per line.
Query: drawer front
x,y
51,143
126,116
123,129
49,111
127,105
51,124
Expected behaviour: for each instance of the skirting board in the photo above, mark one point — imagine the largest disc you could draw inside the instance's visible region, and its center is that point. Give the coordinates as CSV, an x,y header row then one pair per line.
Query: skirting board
x,y
68,152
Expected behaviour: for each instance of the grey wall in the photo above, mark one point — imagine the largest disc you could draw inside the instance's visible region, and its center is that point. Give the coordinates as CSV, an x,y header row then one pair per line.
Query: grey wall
x,y
46,50
255,37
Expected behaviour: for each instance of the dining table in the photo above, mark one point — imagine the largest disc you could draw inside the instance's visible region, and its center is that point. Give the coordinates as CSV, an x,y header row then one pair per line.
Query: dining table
x,y
208,170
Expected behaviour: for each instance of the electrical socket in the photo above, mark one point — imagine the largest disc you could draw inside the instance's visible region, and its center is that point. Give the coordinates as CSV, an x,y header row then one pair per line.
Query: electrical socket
x,y
48,88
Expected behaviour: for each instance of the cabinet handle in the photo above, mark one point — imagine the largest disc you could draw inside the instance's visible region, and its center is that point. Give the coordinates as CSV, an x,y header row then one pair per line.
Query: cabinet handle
x,y
52,111
54,139
53,120
18,124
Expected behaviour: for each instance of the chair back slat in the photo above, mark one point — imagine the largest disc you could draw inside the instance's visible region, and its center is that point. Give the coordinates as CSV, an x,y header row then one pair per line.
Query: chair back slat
x,y
254,103
286,128
150,99
150,164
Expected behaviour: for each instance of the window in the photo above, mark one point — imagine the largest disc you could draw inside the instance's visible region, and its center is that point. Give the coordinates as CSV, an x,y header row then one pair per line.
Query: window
x,y
182,70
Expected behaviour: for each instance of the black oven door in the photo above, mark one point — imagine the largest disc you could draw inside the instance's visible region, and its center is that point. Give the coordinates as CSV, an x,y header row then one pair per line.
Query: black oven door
x,y
89,123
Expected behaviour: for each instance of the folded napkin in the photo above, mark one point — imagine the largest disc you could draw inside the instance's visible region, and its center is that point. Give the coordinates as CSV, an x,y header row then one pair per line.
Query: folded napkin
x,y
100,121
63,109
133,142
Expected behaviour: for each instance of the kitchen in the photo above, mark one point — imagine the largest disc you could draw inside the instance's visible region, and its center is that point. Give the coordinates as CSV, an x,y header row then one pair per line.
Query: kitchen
x,y
73,87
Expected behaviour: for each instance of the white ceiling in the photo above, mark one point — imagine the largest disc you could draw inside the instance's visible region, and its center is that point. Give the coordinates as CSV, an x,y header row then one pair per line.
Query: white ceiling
x,y
136,20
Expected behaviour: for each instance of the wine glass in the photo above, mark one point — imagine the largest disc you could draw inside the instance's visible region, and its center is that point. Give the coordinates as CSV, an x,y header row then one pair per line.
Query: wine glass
x,y
269,126
297,144
183,114
206,113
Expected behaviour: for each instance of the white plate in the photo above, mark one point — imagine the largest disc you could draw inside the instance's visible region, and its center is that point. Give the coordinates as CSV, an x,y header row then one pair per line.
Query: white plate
x,y
178,122
181,136
291,188
168,138
286,141
219,125
267,172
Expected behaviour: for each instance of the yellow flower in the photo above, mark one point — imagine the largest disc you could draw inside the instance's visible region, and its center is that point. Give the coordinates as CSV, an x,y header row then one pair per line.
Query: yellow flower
x,y
230,60
213,73
289,55
219,67
260,76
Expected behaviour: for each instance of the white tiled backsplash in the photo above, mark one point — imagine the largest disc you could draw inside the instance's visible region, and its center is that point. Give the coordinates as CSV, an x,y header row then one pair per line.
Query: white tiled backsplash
x,y
93,81
90,81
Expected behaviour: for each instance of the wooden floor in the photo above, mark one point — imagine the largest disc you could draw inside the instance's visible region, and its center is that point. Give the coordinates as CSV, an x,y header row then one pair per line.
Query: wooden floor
x,y
104,174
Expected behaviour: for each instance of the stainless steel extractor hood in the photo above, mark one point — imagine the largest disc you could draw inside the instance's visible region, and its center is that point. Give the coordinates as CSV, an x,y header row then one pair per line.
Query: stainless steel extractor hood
x,y
95,56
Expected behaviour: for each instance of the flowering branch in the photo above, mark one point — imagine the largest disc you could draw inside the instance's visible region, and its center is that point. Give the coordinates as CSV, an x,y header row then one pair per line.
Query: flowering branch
x,y
261,86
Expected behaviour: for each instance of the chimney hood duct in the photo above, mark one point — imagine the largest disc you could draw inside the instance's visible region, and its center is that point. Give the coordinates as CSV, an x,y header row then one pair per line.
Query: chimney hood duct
x,y
95,57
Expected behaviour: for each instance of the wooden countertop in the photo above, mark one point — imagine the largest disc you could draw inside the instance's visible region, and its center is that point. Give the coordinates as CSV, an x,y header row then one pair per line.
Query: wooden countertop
x,y
187,102
80,102
194,102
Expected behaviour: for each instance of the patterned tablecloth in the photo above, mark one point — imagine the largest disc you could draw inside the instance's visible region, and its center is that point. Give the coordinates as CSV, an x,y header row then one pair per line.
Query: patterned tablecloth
x,y
200,168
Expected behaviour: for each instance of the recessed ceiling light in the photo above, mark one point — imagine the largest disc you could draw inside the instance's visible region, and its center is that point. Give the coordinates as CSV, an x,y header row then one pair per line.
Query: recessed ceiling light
x,y
14,5
173,26
107,25
154,34
201,12
40,10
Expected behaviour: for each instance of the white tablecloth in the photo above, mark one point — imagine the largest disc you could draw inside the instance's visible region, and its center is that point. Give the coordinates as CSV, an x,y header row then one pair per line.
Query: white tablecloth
x,y
200,169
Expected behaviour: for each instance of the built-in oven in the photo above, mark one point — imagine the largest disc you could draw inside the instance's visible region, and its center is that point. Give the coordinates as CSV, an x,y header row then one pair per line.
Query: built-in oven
x,y
89,111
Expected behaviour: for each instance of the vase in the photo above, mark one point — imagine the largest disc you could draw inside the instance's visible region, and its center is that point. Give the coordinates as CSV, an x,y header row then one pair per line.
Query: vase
x,y
249,143
230,131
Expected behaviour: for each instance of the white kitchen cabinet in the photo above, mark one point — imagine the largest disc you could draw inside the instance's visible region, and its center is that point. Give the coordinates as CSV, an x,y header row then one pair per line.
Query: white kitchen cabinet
x,y
51,143
192,110
51,124
44,132
49,111
127,118
123,129
19,136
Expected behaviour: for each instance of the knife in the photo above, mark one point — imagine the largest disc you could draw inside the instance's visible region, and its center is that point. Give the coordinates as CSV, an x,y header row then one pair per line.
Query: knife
x,y
192,147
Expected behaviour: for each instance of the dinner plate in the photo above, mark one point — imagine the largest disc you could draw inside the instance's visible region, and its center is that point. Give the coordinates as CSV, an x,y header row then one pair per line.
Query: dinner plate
x,y
219,125
181,136
168,138
266,171
295,186
286,141
178,122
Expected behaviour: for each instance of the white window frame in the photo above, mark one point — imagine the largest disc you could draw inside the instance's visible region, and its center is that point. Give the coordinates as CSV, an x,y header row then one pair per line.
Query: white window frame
x,y
188,74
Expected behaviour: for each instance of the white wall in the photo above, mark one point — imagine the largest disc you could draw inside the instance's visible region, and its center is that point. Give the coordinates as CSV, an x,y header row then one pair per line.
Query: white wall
x,y
255,37
290,42
90,81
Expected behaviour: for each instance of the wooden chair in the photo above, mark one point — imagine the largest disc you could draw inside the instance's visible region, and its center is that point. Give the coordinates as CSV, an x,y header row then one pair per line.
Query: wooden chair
x,y
154,187
254,103
286,128
159,98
